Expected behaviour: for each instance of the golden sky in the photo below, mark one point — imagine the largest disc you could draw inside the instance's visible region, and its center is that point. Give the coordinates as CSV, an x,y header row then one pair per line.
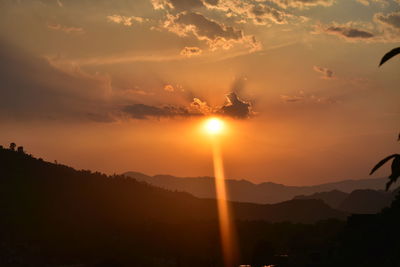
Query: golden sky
x,y
123,85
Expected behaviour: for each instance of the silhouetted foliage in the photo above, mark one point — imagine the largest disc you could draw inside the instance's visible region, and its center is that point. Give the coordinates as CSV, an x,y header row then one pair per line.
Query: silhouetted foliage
x,y
396,157
389,55
20,149
395,168
12,146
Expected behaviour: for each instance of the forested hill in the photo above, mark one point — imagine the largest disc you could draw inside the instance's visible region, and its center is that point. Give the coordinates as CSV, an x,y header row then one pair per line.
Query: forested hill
x,y
45,190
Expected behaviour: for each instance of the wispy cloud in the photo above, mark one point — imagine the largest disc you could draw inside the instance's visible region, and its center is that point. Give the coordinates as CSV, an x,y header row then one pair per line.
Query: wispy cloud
x,y
66,29
382,3
304,98
127,21
191,51
302,4
326,73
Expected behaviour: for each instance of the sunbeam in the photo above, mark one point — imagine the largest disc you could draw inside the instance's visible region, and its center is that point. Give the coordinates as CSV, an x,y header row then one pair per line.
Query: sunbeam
x,y
214,127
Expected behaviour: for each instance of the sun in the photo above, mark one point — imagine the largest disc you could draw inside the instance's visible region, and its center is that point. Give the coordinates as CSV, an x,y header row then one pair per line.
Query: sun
x,y
214,126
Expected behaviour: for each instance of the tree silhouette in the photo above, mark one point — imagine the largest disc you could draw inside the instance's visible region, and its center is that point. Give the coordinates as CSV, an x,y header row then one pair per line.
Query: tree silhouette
x,y
12,146
20,149
396,157
395,168
385,58
389,55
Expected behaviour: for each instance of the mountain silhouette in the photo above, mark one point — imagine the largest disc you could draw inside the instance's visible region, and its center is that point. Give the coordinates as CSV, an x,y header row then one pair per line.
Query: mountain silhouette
x,y
54,215
245,191
333,198
59,191
365,201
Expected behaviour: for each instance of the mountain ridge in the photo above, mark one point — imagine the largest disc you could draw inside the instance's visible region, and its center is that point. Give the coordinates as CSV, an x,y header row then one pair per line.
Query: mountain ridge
x,y
247,191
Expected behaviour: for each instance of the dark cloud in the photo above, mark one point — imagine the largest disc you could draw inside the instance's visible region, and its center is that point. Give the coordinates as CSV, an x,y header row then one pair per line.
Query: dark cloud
x,y
186,4
235,107
142,111
258,12
349,32
214,33
392,19
208,28
261,14
212,2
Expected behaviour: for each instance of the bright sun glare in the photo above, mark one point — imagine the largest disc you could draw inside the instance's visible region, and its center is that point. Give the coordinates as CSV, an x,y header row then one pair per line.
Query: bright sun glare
x,y
214,126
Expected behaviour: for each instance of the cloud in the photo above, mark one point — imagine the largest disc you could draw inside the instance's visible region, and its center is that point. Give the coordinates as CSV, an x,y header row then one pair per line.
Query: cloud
x,y
127,21
254,11
368,2
302,4
201,107
262,14
391,20
385,29
191,51
348,32
235,107
326,73
142,111
351,33
178,4
66,29
217,35
235,4
304,98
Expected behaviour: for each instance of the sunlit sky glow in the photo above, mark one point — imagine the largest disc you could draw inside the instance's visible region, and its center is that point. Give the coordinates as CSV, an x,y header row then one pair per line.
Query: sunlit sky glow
x,y
214,126
123,85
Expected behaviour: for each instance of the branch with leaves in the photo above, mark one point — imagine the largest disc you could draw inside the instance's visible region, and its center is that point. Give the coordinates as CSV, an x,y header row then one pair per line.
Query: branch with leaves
x,y
395,169
396,157
389,55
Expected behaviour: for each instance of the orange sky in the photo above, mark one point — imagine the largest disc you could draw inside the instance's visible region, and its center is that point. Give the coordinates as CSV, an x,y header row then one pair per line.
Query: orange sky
x,y
125,85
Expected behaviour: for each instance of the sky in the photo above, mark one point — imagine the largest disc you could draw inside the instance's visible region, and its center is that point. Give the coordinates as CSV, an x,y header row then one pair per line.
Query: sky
x,y
125,85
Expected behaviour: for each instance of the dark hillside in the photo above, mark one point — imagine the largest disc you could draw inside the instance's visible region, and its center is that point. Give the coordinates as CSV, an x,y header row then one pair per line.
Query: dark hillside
x,y
53,215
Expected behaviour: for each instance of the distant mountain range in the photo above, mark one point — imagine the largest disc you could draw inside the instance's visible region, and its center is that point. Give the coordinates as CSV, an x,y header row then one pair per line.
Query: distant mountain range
x,y
245,191
363,196
362,201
